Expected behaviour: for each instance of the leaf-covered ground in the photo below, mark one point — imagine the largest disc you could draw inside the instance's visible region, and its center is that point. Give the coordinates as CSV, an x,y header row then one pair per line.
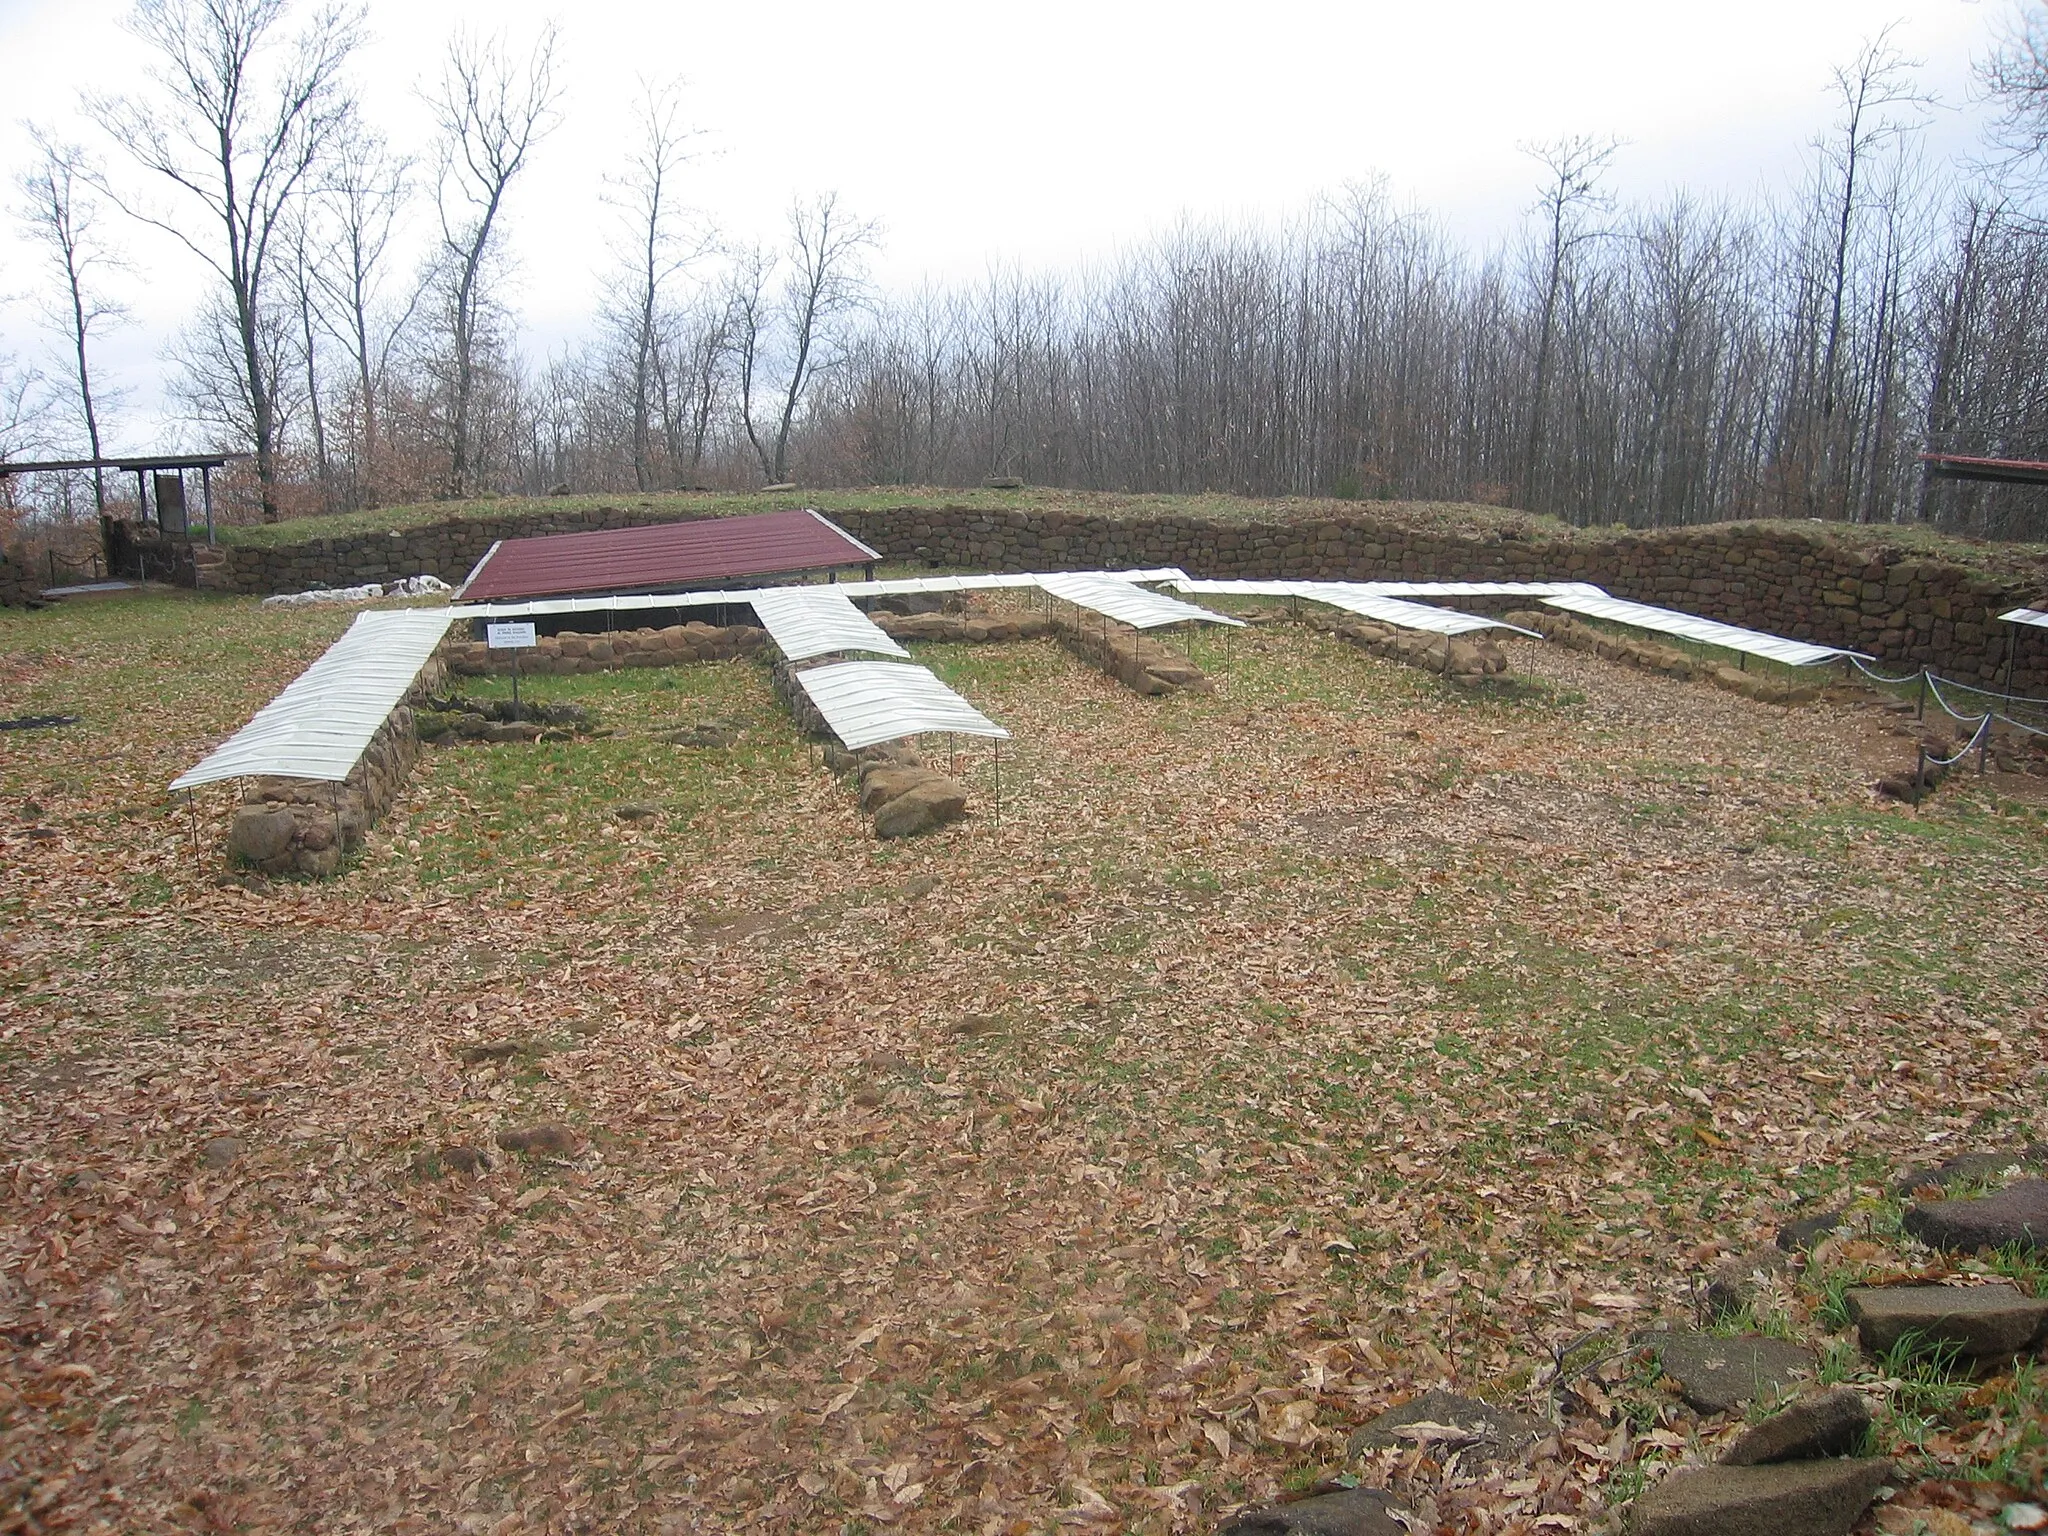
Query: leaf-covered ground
x,y
1279,1054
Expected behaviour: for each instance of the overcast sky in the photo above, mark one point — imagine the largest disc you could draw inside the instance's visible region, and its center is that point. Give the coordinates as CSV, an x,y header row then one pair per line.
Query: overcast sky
x,y
1051,134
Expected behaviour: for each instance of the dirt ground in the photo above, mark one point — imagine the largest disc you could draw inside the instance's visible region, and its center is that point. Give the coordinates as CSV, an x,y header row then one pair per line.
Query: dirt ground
x,y
1278,1054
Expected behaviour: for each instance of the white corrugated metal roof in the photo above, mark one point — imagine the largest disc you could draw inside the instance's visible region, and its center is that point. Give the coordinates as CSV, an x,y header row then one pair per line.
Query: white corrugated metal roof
x,y
1481,588
318,727
1403,615
2026,616
1126,603
816,621
871,701
1301,588
1794,653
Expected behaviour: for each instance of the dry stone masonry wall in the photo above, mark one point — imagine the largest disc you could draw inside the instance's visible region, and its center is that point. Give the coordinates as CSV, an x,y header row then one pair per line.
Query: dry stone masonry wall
x,y
1141,664
306,827
1669,661
1903,609
1466,660
962,628
568,655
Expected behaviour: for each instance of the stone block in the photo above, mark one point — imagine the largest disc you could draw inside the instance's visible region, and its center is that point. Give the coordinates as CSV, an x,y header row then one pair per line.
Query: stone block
x,y
1983,1321
1793,1498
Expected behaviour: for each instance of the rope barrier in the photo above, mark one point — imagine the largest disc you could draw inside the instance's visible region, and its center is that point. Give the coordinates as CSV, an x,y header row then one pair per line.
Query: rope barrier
x,y
1878,677
1934,692
1930,761
1934,686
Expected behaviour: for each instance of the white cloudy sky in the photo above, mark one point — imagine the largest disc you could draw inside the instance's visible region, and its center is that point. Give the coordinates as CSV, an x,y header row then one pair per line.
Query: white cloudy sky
x,y
1053,133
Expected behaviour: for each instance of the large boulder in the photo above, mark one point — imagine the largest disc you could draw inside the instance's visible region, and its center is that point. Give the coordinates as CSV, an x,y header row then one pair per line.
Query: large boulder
x,y
935,803
261,834
879,785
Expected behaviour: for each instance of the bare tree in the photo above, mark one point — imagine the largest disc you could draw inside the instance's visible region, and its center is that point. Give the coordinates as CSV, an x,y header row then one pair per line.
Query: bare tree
x,y
492,113
305,305
62,217
1569,199
361,196
824,282
659,246
1879,104
2014,76
24,411
242,117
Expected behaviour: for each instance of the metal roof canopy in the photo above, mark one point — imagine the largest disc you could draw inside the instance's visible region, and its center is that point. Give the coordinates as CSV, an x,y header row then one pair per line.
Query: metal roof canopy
x,y
126,466
318,727
654,556
901,585
1404,615
2026,616
1129,604
1793,653
1965,466
866,702
816,621
1302,588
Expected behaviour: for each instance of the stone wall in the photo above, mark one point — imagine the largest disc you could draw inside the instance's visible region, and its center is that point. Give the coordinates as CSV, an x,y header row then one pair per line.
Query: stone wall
x,y
1666,660
1782,577
21,584
963,628
306,827
1140,663
1466,660
566,655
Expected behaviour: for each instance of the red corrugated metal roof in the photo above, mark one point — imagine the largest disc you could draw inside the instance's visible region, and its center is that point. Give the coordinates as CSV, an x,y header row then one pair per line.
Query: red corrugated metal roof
x,y
664,557
1963,466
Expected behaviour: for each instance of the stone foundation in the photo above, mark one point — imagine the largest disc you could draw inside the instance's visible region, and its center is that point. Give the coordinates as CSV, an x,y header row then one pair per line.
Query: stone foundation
x,y
1141,665
1842,587
896,788
962,628
1666,660
568,655
1466,660
306,827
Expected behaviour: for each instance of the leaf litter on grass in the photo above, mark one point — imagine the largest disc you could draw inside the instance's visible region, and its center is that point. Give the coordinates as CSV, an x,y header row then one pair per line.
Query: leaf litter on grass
x,y
1283,1053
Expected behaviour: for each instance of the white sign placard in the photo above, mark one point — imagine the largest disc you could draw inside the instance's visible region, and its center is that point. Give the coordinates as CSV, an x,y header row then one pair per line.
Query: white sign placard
x,y
509,637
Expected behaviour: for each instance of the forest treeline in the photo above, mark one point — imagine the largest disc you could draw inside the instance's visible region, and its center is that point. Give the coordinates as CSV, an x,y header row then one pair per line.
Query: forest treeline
x,y
1655,363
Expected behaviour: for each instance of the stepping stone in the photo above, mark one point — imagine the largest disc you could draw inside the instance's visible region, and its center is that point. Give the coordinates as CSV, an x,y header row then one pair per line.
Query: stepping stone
x,y
2016,1216
1802,1235
1354,1512
1820,1424
1446,1422
1790,1498
1734,1282
1717,1374
1983,1320
1968,1166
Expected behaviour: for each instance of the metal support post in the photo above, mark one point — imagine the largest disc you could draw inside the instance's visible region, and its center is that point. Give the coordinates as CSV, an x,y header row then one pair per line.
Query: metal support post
x,y
1920,709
